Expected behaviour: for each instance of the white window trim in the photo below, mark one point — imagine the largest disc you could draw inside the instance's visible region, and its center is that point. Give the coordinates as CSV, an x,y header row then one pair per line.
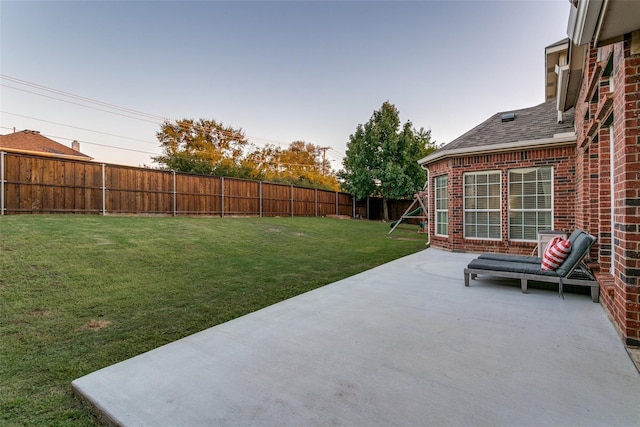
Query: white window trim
x,y
612,195
552,226
435,204
464,205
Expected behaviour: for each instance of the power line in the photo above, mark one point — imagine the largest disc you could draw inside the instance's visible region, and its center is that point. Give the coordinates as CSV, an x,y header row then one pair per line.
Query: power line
x,y
229,134
82,98
76,103
102,145
122,112
80,128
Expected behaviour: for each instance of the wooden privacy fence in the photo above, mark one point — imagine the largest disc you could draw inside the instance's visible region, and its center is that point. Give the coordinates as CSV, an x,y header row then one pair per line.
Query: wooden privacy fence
x,y
38,184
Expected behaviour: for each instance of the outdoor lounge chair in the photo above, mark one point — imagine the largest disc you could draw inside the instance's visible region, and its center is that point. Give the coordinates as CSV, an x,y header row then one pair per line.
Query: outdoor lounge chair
x,y
572,271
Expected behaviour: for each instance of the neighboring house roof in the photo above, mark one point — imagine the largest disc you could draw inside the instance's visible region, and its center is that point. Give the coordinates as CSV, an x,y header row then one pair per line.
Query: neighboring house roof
x,y
556,57
529,127
32,142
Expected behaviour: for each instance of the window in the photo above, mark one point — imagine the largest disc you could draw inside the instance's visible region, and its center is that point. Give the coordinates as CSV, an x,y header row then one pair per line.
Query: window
x,y
607,73
482,196
442,205
530,202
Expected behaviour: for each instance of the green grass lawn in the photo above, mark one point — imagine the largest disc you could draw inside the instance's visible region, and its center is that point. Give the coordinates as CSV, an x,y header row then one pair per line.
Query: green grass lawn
x,y
78,293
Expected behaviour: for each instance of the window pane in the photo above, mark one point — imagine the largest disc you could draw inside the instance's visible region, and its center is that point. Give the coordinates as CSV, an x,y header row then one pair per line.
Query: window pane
x,y
530,232
529,188
494,203
515,177
544,221
515,202
470,191
470,230
441,205
544,202
516,219
530,202
494,218
482,205
544,174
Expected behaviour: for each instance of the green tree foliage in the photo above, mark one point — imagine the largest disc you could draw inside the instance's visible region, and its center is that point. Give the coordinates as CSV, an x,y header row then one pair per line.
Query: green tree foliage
x,y
300,164
203,147
207,147
382,155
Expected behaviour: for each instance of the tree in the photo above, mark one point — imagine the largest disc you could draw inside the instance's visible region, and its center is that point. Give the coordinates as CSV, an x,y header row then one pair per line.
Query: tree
x,y
381,158
300,164
204,147
209,148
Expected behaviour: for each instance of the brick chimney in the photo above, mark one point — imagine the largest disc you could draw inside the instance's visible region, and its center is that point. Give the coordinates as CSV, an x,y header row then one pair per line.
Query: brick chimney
x,y
75,145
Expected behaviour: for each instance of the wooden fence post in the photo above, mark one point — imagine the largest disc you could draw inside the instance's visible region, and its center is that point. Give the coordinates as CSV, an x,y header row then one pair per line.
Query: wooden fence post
x,y
222,196
368,214
337,208
1,182
353,209
175,192
316,203
104,192
260,198
292,200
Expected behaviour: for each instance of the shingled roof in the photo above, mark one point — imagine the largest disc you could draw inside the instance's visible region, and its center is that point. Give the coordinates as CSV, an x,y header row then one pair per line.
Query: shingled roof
x,y
32,142
528,126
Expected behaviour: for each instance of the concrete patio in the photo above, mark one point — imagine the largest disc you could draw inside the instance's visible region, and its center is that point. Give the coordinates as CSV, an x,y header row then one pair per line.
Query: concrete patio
x,y
404,344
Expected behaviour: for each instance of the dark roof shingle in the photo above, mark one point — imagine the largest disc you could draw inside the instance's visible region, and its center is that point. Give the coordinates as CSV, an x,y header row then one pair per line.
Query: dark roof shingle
x,y
539,122
34,142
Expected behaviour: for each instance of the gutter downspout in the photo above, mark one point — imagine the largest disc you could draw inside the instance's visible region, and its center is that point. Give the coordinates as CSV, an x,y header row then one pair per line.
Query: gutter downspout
x,y
603,12
428,244
428,188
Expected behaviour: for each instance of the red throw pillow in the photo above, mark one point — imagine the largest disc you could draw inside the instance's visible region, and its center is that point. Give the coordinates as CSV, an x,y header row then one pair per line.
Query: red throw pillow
x,y
555,253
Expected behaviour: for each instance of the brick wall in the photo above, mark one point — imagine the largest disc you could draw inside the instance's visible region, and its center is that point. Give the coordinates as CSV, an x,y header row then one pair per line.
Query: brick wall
x,y
560,158
600,105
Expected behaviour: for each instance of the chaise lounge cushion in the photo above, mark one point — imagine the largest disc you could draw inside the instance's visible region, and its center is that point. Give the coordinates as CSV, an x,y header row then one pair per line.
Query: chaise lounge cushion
x,y
512,258
510,266
579,249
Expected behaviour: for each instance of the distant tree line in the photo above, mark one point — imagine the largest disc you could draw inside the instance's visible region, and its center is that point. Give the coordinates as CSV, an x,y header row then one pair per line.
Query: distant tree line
x,y
381,157
208,147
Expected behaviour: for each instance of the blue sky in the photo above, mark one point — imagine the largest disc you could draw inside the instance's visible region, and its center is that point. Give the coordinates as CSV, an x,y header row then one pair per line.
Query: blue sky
x,y
281,71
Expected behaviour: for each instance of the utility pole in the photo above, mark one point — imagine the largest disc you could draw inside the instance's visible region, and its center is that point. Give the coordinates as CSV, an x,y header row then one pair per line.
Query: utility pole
x,y
324,157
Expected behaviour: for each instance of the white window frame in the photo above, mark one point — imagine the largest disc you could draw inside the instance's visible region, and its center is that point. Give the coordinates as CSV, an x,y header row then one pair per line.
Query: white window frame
x,y
476,210
550,210
612,196
441,212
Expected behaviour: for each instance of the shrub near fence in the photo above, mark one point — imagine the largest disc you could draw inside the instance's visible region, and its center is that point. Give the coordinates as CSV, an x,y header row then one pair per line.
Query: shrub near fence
x,y
38,184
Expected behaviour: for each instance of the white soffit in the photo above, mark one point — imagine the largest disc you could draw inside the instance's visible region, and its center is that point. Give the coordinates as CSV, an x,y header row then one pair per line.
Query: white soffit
x,y
617,19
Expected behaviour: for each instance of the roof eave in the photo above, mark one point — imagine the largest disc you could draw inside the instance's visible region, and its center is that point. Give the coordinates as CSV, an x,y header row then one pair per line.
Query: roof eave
x,y
559,139
570,78
40,153
583,20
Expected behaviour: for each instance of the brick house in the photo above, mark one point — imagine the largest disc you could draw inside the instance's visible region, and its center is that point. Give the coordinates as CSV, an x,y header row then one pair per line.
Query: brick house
x,y
571,162
32,142
495,186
